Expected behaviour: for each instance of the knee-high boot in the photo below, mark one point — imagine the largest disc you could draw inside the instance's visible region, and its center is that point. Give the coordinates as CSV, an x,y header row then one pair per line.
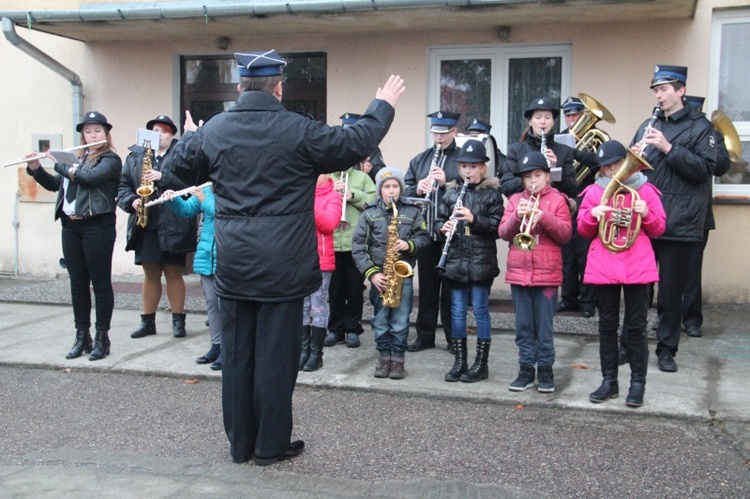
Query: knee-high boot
x,y
638,368
305,342
317,337
82,344
478,371
178,325
609,388
459,365
101,345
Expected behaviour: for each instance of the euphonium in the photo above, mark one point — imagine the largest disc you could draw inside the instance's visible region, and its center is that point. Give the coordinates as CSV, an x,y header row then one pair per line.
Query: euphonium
x,y
146,188
587,137
395,270
623,216
524,240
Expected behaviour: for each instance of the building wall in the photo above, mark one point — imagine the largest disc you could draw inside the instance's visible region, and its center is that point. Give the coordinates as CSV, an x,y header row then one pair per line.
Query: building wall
x,y
131,83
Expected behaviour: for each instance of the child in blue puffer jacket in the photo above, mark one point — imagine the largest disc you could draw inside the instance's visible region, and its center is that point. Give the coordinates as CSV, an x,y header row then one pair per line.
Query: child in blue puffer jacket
x,y
204,264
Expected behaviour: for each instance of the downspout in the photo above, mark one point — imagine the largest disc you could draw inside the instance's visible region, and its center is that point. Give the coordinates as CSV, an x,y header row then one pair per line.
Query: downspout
x,y
9,31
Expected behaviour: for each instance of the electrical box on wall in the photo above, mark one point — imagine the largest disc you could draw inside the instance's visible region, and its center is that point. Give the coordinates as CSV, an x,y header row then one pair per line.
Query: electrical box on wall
x,y
31,192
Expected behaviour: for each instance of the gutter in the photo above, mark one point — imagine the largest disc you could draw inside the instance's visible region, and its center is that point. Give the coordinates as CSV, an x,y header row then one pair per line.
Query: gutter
x,y
9,30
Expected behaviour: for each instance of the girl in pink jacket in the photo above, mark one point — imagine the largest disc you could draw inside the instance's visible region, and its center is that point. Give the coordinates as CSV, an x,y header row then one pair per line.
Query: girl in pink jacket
x,y
535,275
315,313
631,270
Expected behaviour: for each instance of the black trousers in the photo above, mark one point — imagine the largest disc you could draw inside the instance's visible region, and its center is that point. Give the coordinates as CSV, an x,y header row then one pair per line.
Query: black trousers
x,y
260,351
573,291
434,296
692,304
674,259
345,296
87,248
636,314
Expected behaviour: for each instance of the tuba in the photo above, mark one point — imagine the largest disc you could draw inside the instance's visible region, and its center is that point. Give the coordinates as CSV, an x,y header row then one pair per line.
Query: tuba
x,y
145,189
587,137
395,270
623,216
725,127
524,240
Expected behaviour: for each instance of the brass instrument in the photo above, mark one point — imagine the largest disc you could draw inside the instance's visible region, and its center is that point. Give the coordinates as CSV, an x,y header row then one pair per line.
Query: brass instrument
x,y
146,188
395,270
642,142
343,224
438,160
623,217
524,240
724,126
587,137
454,222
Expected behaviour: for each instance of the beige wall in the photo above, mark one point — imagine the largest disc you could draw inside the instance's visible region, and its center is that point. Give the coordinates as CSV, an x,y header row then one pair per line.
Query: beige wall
x,y
612,62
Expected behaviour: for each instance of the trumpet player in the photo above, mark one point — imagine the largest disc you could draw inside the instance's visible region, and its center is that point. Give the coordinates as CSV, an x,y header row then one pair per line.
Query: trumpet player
x,y
535,275
628,272
471,261
428,173
88,229
680,145
162,245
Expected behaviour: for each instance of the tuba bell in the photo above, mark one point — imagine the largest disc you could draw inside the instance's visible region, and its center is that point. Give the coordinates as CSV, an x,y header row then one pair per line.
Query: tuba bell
x,y
587,137
623,216
725,127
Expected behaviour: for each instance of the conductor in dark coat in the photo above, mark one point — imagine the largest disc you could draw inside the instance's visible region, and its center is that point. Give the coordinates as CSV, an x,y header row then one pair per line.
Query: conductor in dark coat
x,y
264,161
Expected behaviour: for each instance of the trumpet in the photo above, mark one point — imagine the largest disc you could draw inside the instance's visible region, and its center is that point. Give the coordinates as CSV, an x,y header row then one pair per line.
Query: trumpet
x,y
175,194
43,155
343,224
524,240
650,125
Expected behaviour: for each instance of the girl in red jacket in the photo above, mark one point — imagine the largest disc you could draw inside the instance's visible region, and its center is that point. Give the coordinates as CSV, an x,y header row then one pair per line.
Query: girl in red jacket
x,y
315,312
631,270
535,275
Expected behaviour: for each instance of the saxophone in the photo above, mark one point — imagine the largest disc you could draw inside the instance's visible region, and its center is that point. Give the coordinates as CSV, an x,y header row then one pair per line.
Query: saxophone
x,y
146,188
395,270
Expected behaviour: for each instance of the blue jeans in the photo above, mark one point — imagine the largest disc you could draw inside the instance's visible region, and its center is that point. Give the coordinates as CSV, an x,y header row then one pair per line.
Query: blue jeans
x,y
391,325
460,309
535,310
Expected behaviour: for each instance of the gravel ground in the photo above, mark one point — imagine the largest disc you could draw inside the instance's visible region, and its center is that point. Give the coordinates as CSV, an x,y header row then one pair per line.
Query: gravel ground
x,y
120,425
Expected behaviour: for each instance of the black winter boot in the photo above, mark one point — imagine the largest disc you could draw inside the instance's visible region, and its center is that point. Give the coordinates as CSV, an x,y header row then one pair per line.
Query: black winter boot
x,y
478,371
546,381
147,327
305,342
317,337
101,346
525,379
638,369
82,344
609,388
178,325
211,356
459,365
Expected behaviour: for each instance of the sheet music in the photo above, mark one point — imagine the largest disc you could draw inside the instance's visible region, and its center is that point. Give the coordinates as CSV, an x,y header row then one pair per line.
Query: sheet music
x,y
65,157
148,138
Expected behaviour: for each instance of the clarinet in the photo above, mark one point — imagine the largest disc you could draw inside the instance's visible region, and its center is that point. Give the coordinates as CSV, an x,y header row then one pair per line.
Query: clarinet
x,y
449,235
651,124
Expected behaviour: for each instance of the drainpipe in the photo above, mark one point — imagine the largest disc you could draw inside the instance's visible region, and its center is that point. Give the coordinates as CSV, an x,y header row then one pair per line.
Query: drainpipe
x,y
9,31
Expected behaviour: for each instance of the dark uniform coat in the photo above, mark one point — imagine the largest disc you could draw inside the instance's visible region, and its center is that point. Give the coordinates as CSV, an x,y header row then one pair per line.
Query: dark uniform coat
x,y
419,168
516,152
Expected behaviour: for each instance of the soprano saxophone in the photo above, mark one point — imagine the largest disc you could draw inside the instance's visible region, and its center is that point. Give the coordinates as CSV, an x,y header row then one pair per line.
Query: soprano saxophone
x,y
395,270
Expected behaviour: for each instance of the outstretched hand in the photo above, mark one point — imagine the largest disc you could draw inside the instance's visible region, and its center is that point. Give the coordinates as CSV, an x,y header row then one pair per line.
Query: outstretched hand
x,y
190,125
392,90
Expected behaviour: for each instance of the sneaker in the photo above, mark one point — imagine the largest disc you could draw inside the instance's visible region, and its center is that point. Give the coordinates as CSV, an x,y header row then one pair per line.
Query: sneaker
x,y
383,369
352,340
524,380
333,339
397,369
546,379
666,362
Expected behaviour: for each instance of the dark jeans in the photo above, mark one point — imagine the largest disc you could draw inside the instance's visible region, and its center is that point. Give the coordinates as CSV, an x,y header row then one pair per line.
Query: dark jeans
x,y
692,304
87,248
534,308
345,298
260,351
573,291
636,310
434,296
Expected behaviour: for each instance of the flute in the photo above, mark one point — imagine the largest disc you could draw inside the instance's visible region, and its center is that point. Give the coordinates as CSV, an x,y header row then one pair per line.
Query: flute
x,y
43,155
175,194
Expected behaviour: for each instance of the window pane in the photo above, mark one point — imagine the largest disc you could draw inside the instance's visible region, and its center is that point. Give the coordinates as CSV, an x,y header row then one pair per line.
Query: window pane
x,y
210,71
201,110
465,88
734,78
528,79
738,173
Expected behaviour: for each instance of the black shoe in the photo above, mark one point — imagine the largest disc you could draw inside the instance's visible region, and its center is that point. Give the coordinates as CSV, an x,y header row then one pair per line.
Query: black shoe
x,y
666,362
352,340
147,327
212,354
545,379
216,366
525,379
207,326
566,307
240,459
635,395
333,339
694,332
420,345
588,312
178,325
295,449
82,344
609,389
101,346
623,357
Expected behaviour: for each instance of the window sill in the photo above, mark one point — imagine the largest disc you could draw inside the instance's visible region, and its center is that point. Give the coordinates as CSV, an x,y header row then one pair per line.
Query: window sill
x,y
730,199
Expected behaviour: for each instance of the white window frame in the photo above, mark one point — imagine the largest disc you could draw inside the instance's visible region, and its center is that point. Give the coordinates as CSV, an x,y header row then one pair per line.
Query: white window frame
x,y
720,19
500,57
